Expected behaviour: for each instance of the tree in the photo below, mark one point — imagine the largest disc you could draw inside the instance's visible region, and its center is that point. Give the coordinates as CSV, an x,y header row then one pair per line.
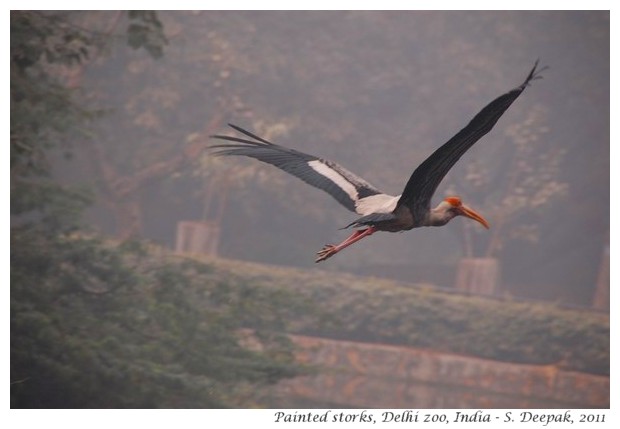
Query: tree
x,y
114,327
111,325
49,52
42,112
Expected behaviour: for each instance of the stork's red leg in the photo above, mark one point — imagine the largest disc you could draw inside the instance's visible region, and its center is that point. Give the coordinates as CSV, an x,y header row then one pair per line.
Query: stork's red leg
x,y
330,250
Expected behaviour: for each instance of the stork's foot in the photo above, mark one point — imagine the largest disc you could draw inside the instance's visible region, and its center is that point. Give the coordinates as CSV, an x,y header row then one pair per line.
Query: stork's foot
x,y
330,250
327,251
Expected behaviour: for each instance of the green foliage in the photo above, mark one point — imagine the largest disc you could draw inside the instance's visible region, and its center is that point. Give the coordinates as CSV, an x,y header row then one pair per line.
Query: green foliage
x,y
45,205
37,36
116,326
373,310
41,109
146,31
43,112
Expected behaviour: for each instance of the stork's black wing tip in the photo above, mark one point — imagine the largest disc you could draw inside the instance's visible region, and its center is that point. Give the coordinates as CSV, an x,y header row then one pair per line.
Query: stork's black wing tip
x,y
238,142
249,134
535,74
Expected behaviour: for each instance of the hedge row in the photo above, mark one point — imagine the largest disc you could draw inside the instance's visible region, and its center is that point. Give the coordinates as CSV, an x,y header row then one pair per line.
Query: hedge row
x,y
366,309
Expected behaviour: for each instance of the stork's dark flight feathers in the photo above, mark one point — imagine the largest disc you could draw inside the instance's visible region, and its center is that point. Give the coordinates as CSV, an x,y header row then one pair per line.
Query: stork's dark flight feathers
x,y
380,211
340,183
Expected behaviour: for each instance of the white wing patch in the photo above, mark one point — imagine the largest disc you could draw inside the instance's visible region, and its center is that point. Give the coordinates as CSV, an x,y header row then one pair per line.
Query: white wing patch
x,y
380,203
335,177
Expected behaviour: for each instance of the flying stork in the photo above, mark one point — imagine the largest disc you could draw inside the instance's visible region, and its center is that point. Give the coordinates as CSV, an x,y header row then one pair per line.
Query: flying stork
x,y
380,211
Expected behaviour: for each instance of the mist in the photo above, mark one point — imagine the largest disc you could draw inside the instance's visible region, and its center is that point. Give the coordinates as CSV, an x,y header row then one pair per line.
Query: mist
x,y
376,92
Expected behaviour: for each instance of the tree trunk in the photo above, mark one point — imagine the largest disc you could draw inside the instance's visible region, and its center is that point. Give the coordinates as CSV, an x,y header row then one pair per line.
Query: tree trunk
x,y
128,216
478,276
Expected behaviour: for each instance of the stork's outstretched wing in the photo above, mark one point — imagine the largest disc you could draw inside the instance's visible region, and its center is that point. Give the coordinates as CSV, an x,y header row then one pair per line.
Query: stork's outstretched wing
x,y
425,179
347,188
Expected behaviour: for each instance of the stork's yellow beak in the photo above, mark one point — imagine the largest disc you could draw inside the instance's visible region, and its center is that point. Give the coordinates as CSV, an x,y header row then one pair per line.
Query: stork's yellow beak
x,y
472,214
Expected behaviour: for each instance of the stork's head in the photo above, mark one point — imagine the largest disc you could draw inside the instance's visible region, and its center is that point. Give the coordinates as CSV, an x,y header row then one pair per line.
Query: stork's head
x,y
451,207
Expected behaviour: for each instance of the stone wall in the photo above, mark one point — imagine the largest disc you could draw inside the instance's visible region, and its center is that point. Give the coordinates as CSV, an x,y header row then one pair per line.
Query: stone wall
x,y
383,376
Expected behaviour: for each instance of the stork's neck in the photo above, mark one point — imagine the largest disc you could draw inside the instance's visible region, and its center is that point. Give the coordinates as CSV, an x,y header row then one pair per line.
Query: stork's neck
x,y
440,215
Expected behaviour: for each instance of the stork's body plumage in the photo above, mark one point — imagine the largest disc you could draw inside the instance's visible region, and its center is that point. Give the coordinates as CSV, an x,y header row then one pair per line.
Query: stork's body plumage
x,y
380,211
